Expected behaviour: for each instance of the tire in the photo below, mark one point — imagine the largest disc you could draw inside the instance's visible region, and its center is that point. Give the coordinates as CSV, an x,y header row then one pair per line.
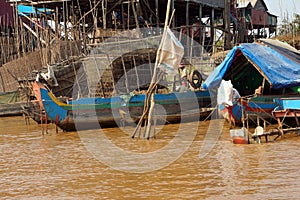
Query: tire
x,y
195,79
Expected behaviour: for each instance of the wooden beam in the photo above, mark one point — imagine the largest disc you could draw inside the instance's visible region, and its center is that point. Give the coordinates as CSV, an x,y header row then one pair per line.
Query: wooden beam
x,y
227,41
187,13
172,8
200,24
187,25
212,29
157,13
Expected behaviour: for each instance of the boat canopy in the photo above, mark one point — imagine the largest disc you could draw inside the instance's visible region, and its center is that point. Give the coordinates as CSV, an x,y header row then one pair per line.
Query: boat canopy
x,y
250,63
283,48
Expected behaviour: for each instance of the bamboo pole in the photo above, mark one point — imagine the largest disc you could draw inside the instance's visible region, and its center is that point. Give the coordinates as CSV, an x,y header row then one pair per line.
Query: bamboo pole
x,y
95,18
149,123
146,107
32,32
2,82
187,20
2,42
155,80
125,73
202,45
64,19
191,45
200,22
157,15
173,8
84,38
227,42
122,16
7,57
67,20
135,17
103,13
136,73
17,28
85,14
128,14
150,64
57,25
82,33
24,54
74,70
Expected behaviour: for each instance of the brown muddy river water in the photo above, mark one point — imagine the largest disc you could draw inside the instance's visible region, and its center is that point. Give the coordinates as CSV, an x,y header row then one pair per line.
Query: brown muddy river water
x,y
183,162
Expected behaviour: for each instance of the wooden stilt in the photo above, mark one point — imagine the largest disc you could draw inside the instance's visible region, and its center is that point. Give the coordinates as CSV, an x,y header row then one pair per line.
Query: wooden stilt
x,y
136,73
41,118
125,74
150,116
56,129
135,17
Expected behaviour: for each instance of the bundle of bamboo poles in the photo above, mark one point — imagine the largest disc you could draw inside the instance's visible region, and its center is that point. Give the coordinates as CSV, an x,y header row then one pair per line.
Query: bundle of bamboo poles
x,y
146,118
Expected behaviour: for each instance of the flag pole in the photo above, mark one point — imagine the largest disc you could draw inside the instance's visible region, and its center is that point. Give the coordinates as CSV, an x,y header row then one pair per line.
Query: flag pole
x,y
154,82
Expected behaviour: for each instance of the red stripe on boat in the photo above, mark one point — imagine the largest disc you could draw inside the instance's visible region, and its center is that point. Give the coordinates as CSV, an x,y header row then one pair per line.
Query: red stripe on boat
x,y
56,119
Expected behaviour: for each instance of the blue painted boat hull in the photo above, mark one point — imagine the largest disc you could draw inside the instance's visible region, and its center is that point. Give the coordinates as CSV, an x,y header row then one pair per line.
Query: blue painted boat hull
x,y
288,103
91,113
287,111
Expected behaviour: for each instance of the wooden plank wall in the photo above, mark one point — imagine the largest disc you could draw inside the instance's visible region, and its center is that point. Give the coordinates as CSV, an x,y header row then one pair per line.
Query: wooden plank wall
x,y
21,67
9,72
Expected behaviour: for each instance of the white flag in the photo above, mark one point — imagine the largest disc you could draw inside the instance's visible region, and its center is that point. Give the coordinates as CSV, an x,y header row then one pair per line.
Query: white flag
x,y
171,52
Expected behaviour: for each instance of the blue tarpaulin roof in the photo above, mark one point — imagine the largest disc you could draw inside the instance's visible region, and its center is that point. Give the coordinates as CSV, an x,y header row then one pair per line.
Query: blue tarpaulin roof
x,y
27,10
280,71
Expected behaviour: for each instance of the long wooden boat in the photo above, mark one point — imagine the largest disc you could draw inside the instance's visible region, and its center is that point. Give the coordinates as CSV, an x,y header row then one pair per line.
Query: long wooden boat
x,y
92,113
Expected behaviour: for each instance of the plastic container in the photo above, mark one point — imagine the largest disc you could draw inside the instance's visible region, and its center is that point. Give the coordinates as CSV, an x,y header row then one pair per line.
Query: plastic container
x,y
238,132
239,140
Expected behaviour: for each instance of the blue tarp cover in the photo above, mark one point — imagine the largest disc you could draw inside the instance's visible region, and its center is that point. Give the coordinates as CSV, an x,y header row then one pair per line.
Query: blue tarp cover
x,y
27,10
279,70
